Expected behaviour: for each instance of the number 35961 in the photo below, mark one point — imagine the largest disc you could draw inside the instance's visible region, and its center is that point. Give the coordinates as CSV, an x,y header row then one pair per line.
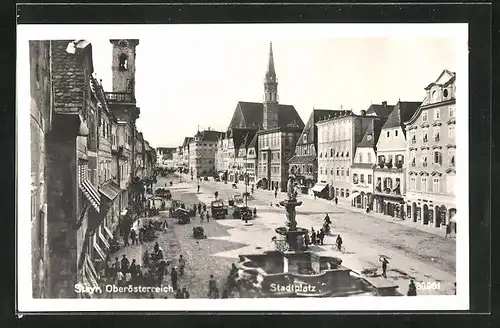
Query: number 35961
x,y
428,285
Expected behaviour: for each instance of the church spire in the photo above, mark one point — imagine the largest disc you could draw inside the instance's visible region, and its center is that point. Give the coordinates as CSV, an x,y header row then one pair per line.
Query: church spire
x,y
270,65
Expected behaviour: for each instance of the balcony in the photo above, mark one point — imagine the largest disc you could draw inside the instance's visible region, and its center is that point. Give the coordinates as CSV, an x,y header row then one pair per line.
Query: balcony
x,y
120,97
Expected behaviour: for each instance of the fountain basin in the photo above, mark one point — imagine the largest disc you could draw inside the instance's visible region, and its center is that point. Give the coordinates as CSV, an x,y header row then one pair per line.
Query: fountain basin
x,y
305,274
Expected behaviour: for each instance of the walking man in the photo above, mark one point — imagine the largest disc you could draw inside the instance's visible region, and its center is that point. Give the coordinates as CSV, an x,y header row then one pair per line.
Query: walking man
x,y
336,200
412,290
173,277
133,236
276,193
182,265
448,231
384,266
212,287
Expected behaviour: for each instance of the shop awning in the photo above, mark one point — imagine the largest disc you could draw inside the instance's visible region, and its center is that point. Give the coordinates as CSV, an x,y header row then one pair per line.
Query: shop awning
x,y
99,251
108,232
102,237
302,159
91,193
89,272
354,195
319,187
110,190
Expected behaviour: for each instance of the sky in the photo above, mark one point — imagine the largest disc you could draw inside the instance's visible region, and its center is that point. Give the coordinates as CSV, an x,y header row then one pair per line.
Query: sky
x,y
183,82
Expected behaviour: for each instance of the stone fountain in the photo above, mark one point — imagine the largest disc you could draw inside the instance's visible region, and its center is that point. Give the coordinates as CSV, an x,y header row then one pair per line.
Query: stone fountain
x,y
294,236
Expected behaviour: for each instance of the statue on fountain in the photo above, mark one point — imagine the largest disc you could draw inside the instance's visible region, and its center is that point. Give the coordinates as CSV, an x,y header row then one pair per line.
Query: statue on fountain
x,y
290,203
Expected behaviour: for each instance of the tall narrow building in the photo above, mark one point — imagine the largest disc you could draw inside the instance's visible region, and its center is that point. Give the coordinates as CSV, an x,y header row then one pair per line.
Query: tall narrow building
x,y
270,103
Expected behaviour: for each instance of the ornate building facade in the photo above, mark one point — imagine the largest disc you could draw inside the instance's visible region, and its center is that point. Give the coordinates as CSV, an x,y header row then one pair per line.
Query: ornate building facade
x,y
430,198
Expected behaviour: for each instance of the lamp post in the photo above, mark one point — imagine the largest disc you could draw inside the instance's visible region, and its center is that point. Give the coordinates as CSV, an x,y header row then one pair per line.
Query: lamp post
x,y
246,179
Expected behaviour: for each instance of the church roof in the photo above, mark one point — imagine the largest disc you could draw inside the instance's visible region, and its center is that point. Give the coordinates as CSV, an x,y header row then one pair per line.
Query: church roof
x,y
242,137
401,113
250,115
270,65
253,142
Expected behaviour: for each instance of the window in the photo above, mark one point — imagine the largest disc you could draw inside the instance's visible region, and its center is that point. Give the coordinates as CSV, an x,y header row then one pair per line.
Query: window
x,y
424,116
451,131
451,112
123,62
331,152
438,158
342,192
451,156
347,154
437,114
347,172
360,157
423,184
396,133
436,133
445,93
362,178
413,183
435,185
413,162
424,135
347,193
338,171
369,179
304,139
331,171
320,170
388,134
342,171
355,178
388,183
369,155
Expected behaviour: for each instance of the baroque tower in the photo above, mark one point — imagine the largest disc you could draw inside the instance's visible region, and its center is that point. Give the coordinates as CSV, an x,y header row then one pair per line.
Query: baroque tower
x,y
270,104
123,65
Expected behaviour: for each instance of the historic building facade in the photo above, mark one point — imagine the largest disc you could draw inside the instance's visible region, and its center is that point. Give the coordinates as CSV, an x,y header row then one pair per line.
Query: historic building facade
x,y
390,172
252,160
304,163
202,153
430,198
365,160
338,137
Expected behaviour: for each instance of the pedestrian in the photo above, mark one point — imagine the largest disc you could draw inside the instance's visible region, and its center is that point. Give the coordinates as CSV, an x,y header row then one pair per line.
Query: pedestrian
x,y
146,258
212,287
179,294
307,241
276,193
124,264
125,239
255,211
313,237
161,274
208,217
201,217
173,277
314,194
321,236
336,200
384,266
185,293
116,266
133,236
199,208
141,235
133,270
198,189
204,207
448,231
412,289
182,265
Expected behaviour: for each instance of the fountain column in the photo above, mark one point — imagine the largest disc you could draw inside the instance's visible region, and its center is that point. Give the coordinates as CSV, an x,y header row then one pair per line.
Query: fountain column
x,y
294,236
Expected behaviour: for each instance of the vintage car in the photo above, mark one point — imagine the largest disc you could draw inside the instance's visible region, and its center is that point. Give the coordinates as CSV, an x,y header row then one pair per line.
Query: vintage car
x,y
163,192
241,211
219,211
156,202
238,199
182,215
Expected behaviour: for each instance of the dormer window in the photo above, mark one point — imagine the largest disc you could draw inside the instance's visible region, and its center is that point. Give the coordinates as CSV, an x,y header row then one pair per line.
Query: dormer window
x,y
123,62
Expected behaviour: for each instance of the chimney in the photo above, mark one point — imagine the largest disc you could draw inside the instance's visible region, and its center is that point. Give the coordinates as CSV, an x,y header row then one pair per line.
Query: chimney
x,y
384,103
363,112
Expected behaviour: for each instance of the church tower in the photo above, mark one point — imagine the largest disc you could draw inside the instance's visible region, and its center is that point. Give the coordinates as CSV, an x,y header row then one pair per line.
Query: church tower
x,y
270,104
123,65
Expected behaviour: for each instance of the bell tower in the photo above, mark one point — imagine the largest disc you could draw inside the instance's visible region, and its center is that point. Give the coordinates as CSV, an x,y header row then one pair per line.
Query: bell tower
x,y
270,103
123,65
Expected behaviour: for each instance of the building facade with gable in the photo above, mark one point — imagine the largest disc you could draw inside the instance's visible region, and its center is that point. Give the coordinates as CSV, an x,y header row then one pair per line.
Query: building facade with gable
x,y
304,163
365,159
431,193
390,172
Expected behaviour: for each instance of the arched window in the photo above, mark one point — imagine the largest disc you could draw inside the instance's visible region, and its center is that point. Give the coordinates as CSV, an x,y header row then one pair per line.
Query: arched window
x,y
123,62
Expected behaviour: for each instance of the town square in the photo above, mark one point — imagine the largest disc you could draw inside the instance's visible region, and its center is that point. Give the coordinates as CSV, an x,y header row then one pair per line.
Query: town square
x,y
135,197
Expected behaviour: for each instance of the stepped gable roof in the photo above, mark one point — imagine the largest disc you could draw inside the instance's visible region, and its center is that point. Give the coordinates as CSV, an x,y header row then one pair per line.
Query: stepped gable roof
x,y
382,110
310,127
250,115
401,113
